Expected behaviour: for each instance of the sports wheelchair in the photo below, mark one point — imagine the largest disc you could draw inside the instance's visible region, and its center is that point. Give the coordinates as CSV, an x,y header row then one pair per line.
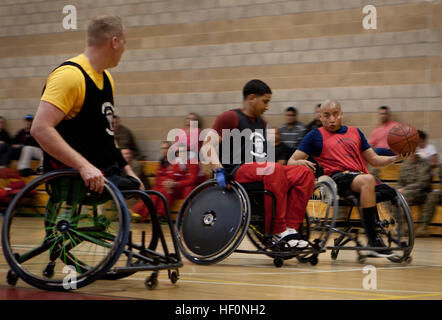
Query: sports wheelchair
x,y
331,214
213,221
58,235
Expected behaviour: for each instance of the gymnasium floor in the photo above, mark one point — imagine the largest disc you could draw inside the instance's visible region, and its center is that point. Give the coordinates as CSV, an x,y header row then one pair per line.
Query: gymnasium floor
x,y
245,276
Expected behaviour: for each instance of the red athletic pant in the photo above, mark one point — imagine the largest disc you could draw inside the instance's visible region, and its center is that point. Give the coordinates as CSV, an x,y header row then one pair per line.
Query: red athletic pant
x,y
290,207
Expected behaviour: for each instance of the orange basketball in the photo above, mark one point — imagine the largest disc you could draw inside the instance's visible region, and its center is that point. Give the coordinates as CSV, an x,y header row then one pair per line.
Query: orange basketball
x,y
403,138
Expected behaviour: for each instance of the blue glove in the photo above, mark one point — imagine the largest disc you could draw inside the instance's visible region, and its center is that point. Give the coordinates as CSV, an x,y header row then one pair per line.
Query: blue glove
x,y
222,177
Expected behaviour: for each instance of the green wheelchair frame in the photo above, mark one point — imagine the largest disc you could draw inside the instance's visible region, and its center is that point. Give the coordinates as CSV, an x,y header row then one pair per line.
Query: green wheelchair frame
x,y
73,222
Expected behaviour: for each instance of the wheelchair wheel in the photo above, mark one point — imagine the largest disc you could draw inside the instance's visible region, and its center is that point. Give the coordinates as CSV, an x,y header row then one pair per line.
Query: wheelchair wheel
x,y
58,235
395,226
212,222
322,212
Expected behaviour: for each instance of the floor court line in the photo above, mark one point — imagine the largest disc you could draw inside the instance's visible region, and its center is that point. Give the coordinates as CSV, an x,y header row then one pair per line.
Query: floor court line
x,y
307,271
221,282
269,285
328,290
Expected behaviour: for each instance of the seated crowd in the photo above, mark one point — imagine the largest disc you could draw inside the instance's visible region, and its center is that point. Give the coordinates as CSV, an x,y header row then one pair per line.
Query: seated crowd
x,y
175,179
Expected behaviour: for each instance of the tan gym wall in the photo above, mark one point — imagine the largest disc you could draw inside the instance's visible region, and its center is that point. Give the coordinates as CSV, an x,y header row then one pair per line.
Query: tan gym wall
x,y
195,55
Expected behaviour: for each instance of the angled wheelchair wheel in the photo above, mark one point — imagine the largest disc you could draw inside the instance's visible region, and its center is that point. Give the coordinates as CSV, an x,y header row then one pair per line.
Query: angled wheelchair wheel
x,y
395,226
322,212
58,235
212,222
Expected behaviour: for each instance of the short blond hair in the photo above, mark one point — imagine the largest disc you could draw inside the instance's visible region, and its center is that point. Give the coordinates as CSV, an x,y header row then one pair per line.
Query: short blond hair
x,y
103,28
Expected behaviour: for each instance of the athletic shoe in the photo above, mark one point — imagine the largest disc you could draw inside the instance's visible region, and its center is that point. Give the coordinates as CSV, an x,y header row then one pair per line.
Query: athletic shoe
x,y
381,253
291,237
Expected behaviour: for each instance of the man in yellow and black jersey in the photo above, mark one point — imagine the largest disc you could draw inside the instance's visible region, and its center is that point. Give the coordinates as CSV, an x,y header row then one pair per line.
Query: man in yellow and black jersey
x,y
73,123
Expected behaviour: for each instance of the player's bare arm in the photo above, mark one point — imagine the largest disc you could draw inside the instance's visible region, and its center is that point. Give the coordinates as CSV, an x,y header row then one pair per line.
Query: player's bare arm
x,y
300,158
377,161
43,130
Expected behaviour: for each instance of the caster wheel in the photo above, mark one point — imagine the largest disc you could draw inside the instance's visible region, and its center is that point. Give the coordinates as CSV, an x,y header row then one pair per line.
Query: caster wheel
x,y
151,282
174,277
278,262
49,270
11,278
362,259
334,255
314,261
408,260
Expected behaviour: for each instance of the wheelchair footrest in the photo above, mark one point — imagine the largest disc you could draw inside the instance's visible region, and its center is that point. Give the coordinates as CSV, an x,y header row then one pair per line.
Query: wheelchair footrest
x,y
367,248
144,267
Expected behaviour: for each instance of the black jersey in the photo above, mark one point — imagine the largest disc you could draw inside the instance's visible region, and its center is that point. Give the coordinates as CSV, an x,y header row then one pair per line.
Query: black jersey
x,y
91,131
247,143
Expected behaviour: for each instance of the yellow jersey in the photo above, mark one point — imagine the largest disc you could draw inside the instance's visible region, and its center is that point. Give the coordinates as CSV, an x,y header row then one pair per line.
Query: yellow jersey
x,y
66,86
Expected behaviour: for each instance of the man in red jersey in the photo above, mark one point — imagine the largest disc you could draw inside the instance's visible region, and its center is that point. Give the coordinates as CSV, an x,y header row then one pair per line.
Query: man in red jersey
x,y
343,151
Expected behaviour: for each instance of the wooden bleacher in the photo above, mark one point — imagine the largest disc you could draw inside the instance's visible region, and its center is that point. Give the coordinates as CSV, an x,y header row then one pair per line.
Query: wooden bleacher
x,y
388,174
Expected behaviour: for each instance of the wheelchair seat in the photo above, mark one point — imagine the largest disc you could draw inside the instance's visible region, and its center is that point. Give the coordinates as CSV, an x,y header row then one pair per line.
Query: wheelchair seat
x,y
253,186
383,193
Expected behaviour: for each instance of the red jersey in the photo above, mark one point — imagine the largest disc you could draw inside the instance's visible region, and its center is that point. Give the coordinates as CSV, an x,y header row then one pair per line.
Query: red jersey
x,y
341,152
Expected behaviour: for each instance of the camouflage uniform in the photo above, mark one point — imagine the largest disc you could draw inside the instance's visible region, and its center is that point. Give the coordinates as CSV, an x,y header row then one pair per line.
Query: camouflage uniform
x,y
415,180
433,200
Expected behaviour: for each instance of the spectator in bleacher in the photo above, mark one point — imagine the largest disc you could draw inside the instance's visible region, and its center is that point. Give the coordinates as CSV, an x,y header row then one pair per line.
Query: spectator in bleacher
x,y
315,123
136,165
190,135
24,139
175,179
124,137
292,131
415,180
5,141
434,199
282,151
427,151
378,137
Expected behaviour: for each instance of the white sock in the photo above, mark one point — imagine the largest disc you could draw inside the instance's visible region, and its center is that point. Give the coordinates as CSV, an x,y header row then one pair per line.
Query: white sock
x,y
291,230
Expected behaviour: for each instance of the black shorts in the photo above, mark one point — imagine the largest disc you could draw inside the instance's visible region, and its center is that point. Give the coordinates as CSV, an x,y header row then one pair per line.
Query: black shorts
x,y
343,181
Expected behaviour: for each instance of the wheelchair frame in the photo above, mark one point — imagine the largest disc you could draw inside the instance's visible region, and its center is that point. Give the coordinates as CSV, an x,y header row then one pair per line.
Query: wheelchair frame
x,y
351,227
263,242
147,258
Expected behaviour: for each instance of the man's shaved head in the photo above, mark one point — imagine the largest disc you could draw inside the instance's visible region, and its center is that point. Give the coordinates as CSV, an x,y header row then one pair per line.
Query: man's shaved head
x,y
331,115
330,104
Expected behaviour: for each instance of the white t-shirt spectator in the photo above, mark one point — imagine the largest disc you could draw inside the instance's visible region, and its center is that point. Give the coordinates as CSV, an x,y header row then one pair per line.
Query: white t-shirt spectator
x,y
427,152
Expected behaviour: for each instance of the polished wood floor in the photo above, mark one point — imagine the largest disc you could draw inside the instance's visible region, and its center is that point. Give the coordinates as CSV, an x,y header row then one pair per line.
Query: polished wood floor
x,y
245,276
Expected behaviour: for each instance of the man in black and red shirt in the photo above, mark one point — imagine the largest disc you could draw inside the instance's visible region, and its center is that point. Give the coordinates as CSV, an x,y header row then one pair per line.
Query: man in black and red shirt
x,y
251,154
